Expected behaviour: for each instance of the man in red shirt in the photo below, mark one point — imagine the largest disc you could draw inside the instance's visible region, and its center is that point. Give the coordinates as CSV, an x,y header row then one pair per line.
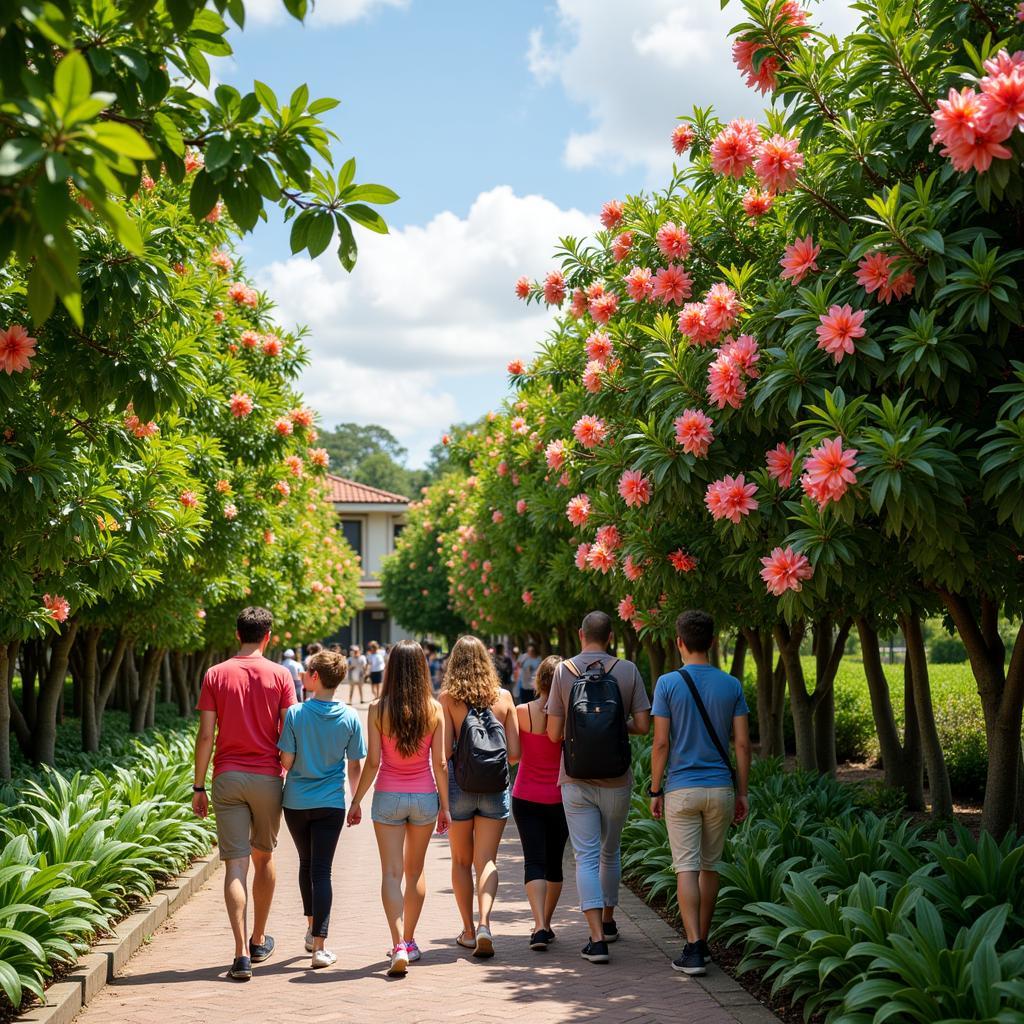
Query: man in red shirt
x,y
243,702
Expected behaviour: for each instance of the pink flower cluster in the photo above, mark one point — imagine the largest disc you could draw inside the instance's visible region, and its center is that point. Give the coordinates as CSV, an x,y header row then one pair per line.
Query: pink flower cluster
x,y
578,510
745,51
780,461
671,284
627,609
241,405
874,274
785,569
137,427
599,348
839,329
693,432
58,607
730,498
240,293
611,214
601,558
829,471
634,488
631,569
736,360
16,349
799,259
590,431
516,368
622,245
640,284
554,288
776,160
757,203
681,561
682,138
523,288
554,454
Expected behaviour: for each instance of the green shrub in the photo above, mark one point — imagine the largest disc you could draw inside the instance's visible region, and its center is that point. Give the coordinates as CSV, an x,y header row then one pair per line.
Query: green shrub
x,y
947,650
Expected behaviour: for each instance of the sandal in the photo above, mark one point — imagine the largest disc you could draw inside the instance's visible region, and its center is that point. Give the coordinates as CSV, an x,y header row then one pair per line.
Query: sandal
x,y
462,941
484,943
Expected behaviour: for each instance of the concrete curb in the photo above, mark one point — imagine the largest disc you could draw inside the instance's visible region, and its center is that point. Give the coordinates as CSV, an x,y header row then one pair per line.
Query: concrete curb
x,y
727,993
66,998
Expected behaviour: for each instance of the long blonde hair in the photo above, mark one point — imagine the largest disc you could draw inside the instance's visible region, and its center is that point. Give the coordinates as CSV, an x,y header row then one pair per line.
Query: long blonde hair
x,y
406,706
470,675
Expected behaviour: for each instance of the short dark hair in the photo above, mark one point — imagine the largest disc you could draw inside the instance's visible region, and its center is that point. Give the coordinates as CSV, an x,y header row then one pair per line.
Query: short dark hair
x,y
253,624
697,630
330,667
597,628
499,648
314,648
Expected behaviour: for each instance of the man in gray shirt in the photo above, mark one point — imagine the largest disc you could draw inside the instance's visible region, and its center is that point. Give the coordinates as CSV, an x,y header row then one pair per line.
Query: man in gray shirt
x,y
596,809
528,665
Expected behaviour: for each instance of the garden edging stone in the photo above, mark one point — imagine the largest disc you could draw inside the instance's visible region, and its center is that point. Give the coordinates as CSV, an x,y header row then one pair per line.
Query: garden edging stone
x,y
66,998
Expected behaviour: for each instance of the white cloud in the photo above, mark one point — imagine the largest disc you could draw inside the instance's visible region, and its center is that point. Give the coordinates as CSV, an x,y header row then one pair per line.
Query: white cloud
x,y
323,12
428,309
636,66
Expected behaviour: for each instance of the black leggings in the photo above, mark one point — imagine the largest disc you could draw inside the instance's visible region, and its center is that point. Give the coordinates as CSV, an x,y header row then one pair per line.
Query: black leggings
x,y
543,833
316,833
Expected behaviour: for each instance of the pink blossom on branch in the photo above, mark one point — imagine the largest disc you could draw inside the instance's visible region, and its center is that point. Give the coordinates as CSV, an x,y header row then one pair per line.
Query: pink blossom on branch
x,y
726,385
527,597
521,507
682,137
601,559
734,148
799,259
523,287
554,454
756,203
693,324
763,78
731,498
785,569
592,376
554,288
16,349
780,461
829,471
609,537
839,329
590,431
604,307
721,307
1002,93
693,432
634,488
611,214
778,163
672,284
640,284
621,246
744,352
673,241
632,570
516,368
627,609
874,271
582,554
578,510
58,607
241,405
681,561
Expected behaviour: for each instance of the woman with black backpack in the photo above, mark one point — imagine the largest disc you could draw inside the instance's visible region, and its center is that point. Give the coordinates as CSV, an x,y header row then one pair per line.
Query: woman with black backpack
x,y
481,741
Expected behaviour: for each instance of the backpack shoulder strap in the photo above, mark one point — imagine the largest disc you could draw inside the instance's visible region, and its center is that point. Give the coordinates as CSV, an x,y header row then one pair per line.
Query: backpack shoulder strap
x,y
571,666
703,711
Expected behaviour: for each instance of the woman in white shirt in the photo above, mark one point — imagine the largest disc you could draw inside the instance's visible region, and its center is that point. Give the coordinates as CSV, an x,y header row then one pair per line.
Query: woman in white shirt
x,y
356,673
375,659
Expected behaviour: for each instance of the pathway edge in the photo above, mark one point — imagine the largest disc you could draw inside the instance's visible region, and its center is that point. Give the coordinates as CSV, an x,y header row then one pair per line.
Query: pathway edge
x,y
66,998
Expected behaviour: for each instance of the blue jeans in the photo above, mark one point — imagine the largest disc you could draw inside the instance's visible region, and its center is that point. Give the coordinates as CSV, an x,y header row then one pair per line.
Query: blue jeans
x,y
595,815
404,808
466,806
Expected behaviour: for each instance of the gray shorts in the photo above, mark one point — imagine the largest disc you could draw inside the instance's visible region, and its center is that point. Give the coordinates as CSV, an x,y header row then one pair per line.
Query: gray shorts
x,y
405,808
248,810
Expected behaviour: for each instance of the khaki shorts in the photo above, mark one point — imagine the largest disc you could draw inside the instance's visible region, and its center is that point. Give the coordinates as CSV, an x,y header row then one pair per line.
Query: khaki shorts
x,y
248,810
698,819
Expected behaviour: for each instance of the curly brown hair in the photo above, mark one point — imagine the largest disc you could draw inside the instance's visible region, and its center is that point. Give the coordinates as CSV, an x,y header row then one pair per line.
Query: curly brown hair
x,y
546,674
406,708
470,675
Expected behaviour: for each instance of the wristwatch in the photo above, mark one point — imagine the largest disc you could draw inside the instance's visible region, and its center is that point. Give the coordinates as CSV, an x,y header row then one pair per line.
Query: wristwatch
x,y
198,789
652,794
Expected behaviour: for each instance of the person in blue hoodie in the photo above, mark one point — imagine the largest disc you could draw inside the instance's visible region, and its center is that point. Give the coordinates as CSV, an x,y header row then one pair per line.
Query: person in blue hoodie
x,y
319,739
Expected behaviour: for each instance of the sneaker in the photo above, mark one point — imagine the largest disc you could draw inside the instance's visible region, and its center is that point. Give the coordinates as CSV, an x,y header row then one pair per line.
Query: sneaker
x,y
399,961
539,940
259,953
690,961
484,943
241,969
323,958
704,950
309,940
413,950
611,931
595,952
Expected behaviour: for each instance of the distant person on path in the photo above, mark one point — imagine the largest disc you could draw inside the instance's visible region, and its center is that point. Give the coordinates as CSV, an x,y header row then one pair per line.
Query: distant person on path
x,y
537,809
375,660
596,700
317,739
357,668
407,760
313,648
436,662
528,663
481,740
701,796
295,670
242,707
503,666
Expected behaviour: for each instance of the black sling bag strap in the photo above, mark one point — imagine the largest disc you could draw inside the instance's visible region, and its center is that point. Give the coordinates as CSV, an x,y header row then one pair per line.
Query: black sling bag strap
x,y
722,752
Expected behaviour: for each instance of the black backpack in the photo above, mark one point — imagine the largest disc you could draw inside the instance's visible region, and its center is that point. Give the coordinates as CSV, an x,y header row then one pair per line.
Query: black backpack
x,y
596,744
481,754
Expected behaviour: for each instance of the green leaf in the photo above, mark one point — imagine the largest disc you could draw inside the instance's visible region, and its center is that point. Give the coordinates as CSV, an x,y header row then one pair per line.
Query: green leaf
x,y
204,195
322,105
297,104
347,173
169,133
266,96
933,240
41,295
379,194
244,203
347,250
18,155
320,233
72,80
368,218
218,153
299,232
123,139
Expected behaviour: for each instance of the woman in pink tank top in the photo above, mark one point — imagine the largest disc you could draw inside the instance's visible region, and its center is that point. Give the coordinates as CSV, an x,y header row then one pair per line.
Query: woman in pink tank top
x,y
537,808
406,758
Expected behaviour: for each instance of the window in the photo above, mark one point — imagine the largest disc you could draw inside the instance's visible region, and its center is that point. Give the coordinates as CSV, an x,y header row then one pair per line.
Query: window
x,y
353,532
399,527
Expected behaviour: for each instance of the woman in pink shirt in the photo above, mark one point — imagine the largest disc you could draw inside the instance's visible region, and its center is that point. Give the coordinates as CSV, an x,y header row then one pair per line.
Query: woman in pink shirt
x,y
406,757
537,808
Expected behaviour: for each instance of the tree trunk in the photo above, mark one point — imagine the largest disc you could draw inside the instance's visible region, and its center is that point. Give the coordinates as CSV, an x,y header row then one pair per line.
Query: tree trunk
x,y
5,708
148,677
181,687
739,657
45,732
771,692
88,671
109,677
900,759
31,666
828,653
166,680
788,639
715,654
17,718
655,658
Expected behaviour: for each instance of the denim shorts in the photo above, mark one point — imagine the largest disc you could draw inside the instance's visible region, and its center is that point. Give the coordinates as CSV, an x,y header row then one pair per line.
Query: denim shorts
x,y
405,808
466,806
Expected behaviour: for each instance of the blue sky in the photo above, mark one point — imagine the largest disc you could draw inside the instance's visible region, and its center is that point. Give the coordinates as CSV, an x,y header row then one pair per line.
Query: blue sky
x,y
502,125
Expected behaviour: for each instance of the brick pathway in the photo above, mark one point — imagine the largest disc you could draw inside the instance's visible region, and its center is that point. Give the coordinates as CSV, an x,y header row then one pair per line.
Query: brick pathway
x,y
179,976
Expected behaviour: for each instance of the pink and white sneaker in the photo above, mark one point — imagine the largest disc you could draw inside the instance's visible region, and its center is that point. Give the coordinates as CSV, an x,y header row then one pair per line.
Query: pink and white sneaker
x,y
413,950
399,961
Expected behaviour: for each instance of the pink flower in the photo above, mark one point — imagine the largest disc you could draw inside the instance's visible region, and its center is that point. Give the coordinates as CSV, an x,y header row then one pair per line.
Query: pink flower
x,y
282,487
829,470
609,537
497,516
219,258
1020,12
230,510
582,554
901,285
579,303
799,259
527,597
578,510
523,288
1003,102
188,499
756,203
681,561
301,417
590,431
725,383
733,149
621,246
502,468
272,345
518,425
16,350
600,558
763,78
521,506
957,118
693,432
283,426
780,461
874,270
193,161
838,330
592,376
58,607
785,569
223,486
743,351
730,498
554,288
218,316
978,154
721,307
672,284
778,163
634,488
682,137
148,183
632,570
599,347
673,241
693,324
611,214
627,609
240,293
516,368
241,405
216,213
268,537
554,454
249,339
563,480
640,284
604,307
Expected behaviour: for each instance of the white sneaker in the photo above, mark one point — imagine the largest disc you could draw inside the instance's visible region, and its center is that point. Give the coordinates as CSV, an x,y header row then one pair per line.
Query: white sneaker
x,y
323,958
309,940
399,961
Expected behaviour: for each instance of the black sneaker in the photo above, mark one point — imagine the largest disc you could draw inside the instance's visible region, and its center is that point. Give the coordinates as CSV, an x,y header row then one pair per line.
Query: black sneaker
x,y
611,931
259,953
595,952
539,940
241,969
704,950
690,961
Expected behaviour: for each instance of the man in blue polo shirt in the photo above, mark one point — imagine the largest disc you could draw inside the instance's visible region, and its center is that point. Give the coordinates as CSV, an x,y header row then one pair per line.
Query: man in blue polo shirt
x,y
701,796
